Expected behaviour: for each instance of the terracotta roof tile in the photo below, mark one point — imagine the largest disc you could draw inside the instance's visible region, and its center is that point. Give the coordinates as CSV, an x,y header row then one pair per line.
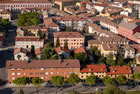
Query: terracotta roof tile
x,y
94,68
66,63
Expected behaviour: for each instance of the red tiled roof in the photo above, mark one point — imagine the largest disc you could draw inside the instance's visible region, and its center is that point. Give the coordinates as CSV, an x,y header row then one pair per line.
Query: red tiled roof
x,y
37,51
79,50
27,38
59,49
18,50
68,35
110,47
66,63
119,70
24,1
95,68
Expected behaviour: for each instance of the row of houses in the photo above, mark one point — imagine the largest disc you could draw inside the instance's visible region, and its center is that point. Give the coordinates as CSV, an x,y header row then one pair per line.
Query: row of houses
x,y
45,69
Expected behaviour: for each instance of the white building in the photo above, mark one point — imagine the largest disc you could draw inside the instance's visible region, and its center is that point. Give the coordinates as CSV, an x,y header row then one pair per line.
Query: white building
x,y
28,41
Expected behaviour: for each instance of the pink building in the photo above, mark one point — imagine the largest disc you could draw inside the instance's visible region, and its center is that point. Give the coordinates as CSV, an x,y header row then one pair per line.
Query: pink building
x,y
130,31
74,39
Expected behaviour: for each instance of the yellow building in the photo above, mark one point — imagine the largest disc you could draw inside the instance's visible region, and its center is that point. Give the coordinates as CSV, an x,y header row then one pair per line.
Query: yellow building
x,y
63,3
107,49
97,70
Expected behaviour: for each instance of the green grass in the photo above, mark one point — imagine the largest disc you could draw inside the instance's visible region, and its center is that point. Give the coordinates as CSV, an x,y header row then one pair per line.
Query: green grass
x,y
133,92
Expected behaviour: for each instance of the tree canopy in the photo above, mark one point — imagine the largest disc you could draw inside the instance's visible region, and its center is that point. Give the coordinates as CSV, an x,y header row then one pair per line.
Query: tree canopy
x,y
28,19
66,44
81,56
21,81
73,79
121,79
108,80
57,42
91,80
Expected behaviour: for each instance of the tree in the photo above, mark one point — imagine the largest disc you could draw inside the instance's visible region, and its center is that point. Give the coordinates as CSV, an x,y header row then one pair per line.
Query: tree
x,y
18,56
91,80
121,79
37,82
112,90
73,92
39,33
21,81
48,44
136,78
110,60
57,42
49,53
33,51
120,60
57,81
82,57
5,22
108,81
73,79
66,44
21,91
28,19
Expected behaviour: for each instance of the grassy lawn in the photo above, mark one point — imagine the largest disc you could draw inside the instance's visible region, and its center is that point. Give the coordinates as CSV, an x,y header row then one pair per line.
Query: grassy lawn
x,y
133,92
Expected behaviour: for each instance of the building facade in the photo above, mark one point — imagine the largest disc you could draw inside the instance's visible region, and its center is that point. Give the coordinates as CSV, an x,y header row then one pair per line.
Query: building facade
x,y
28,41
19,4
74,39
43,69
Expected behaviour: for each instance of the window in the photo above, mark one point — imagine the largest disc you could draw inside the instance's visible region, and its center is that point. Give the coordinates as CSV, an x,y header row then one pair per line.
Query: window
x,y
75,72
31,73
64,72
18,73
46,73
51,72
45,77
12,69
42,77
23,73
57,72
41,68
13,73
13,78
36,73
69,72
51,68
18,68
70,68
41,73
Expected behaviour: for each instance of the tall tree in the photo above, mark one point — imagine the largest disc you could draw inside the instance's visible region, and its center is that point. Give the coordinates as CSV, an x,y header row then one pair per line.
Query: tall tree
x,y
121,79
39,33
82,57
66,44
57,42
91,80
37,82
110,60
57,81
136,78
33,51
108,80
73,79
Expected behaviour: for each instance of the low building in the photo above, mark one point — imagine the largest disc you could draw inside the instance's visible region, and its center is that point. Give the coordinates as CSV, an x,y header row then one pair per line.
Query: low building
x,y
62,52
21,54
74,39
75,22
97,70
129,52
28,41
43,69
115,71
107,49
